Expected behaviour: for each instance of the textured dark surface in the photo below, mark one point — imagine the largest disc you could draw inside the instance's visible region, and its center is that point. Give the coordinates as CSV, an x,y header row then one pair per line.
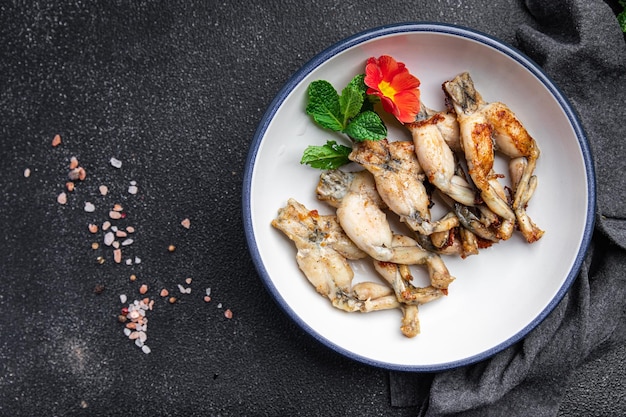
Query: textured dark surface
x,y
175,91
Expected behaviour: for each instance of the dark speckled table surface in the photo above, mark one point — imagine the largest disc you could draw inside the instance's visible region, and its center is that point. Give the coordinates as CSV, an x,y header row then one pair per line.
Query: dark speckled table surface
x,y
175,90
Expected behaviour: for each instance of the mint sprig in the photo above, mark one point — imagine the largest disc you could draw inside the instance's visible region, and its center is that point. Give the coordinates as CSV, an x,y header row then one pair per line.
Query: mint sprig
x,y
329,156
350,113
344,113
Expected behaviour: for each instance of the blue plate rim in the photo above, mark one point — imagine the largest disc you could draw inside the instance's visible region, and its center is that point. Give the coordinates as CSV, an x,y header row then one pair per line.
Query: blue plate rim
x,y
431,27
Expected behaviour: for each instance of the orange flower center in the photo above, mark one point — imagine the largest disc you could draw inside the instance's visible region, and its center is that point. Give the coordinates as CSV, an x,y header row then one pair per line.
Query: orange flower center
x,y
387,90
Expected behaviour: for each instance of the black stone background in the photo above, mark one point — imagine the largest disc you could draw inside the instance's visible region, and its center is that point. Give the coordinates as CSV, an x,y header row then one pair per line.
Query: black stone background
x,y
175,91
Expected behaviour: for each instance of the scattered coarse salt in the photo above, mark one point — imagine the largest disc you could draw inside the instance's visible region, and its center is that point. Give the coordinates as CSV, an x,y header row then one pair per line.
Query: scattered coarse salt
x,y
116,162
109,237
56,141
184,290
134,316
62,198
77,174
73,174
27,173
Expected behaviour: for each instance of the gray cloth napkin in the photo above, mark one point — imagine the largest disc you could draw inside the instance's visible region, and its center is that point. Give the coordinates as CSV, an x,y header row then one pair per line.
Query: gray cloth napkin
x,y
579,44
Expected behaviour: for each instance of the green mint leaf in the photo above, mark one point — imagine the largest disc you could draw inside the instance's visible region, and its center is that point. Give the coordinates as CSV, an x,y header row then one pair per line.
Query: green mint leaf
x,y
350,103
366,126
324,105
328,156
358,82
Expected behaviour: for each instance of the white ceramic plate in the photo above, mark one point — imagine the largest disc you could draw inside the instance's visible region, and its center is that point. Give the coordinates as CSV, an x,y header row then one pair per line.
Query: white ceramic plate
x,y
501,294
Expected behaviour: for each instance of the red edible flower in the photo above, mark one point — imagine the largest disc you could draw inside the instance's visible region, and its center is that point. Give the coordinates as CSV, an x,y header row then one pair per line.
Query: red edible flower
x,y
397,88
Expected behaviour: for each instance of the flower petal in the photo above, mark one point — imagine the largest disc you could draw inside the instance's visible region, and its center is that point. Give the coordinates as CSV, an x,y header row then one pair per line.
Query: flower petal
x,y
373,74
389,106
408,103
405,81
390,67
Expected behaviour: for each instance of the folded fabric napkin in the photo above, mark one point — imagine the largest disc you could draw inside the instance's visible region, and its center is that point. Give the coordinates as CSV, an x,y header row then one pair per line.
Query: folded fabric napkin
x,y
579,44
